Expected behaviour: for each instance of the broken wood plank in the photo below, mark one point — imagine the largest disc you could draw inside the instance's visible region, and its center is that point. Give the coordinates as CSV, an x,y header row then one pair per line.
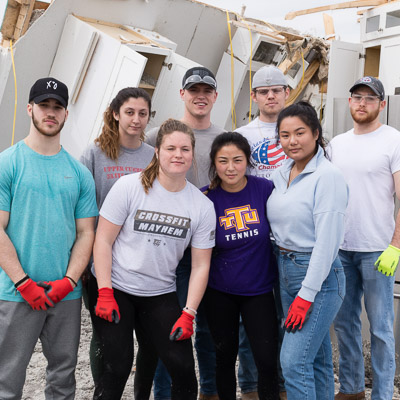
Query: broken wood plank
x,y
23,19
309,73
329,26
17,17
41,5
289,62
347,4
10,19
273,35
137,35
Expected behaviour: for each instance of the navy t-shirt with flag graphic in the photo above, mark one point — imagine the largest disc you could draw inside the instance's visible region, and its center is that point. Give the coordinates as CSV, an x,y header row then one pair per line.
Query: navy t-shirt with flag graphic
x,y
242,261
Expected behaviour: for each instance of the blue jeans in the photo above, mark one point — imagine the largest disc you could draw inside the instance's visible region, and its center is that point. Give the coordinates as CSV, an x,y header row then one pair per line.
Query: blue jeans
x,y
204,346
306,355
363,279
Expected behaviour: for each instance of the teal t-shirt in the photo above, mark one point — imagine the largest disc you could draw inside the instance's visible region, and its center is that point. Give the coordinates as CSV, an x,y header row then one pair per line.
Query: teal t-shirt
x,y
44,195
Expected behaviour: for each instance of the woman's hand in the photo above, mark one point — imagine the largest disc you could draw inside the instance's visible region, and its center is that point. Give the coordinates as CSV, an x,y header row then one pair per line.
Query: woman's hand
x,y
299,312
183,327
106,306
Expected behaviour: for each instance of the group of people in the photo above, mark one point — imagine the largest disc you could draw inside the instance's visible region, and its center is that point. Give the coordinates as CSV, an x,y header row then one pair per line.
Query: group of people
x,y
264,236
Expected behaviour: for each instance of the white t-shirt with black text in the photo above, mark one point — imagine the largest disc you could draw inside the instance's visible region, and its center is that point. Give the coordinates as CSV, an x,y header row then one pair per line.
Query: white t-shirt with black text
x,y
156,229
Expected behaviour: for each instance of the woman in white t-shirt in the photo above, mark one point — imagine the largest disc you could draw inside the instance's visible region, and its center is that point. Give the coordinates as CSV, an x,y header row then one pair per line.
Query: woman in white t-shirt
x,y
146,222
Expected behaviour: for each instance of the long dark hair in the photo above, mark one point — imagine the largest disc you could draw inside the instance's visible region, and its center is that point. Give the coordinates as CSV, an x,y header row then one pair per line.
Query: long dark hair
x,y
222,140
108,140
306,112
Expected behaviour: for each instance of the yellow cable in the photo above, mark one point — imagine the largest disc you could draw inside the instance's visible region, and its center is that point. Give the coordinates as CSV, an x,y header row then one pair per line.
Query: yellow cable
x,y
251,58
233,111
15,85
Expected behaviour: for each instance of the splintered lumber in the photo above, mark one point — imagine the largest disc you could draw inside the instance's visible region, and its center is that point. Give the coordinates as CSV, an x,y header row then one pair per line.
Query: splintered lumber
x,y
10,19
17,17
347,4
24,17
309,73
329,26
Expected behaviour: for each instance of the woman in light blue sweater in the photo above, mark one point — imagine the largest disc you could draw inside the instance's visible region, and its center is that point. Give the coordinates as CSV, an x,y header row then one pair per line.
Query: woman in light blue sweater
x,y
306,212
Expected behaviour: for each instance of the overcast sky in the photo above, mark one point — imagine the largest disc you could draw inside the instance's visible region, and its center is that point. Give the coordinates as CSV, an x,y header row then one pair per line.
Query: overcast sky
x,y
345,21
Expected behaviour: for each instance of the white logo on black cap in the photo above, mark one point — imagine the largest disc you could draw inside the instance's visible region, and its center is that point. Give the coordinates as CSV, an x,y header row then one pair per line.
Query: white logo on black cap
x,y
51,84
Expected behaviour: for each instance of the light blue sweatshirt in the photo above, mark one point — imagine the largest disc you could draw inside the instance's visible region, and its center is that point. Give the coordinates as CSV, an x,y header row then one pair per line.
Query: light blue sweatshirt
x,y
308,216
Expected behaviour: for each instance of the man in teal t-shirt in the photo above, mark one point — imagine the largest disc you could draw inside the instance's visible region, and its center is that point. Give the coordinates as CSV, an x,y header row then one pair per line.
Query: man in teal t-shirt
x,y
47,213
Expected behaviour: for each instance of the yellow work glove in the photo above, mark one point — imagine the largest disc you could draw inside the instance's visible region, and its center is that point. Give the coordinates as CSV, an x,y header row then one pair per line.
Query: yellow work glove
x,y
388,260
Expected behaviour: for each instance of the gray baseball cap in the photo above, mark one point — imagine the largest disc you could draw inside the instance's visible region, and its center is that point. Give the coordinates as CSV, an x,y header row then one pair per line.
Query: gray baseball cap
x,y
374,84
268,76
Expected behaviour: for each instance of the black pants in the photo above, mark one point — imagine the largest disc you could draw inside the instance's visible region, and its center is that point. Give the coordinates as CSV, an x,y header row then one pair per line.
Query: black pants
x,y
152,318
259,319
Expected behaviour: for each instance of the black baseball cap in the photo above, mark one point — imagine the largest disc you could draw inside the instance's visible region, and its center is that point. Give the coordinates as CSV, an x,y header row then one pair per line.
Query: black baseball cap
x,y
198,75
49,88
374,84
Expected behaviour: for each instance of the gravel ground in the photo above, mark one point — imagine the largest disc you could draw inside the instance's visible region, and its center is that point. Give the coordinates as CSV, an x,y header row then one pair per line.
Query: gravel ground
x,y
35,380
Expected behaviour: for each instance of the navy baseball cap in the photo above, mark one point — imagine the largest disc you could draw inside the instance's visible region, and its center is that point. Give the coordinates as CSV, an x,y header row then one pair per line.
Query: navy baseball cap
x,y
49,88
374,84
198,75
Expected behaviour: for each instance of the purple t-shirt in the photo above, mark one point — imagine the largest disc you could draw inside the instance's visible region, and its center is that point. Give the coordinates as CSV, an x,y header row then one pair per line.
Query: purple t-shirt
x,y
243,262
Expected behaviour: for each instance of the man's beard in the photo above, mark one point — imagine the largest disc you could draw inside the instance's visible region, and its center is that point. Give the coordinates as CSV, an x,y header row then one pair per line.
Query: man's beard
x,y
366,118
48,134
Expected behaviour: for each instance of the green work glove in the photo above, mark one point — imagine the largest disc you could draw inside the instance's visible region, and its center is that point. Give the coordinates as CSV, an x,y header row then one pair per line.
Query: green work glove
x,y
388,260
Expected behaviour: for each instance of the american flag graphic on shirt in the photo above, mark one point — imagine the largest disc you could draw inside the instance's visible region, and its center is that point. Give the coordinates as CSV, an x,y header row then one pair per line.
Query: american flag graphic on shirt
x,y
268,153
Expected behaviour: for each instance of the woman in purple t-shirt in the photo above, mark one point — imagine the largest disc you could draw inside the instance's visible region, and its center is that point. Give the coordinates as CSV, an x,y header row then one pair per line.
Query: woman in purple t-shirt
x,y
243,269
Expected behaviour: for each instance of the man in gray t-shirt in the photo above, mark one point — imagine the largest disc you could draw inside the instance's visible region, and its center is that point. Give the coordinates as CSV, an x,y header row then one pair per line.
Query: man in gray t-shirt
x,y
199,93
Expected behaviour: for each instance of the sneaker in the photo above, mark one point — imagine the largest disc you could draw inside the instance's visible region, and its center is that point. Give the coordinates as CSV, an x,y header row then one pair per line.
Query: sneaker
x,y
344,396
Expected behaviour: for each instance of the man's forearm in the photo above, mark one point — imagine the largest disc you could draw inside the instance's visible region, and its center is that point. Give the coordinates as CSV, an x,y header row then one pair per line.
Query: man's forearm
x,y
9,261
80,255
396,235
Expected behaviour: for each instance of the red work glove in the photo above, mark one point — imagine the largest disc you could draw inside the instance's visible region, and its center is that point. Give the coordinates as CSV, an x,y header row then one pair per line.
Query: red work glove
x,y
58,289
299,312
183,327
35,295
106,306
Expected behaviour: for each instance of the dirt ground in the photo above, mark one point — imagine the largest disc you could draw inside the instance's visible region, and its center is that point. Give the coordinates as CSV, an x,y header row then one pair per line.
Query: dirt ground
x,y
35,378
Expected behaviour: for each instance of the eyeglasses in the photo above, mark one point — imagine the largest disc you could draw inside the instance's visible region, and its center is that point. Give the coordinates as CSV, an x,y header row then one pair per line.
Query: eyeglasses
x,y
369,99
265,92
201,79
